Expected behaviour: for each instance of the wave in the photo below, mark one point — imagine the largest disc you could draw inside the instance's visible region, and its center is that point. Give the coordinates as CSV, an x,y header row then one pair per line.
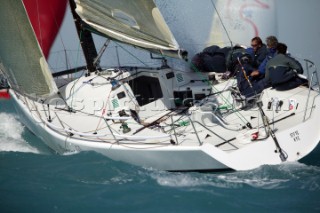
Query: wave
x,y
287,175
11,132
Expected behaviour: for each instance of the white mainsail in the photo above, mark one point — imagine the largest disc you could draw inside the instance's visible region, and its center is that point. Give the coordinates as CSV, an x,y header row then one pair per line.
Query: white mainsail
x,y
21,57
138,23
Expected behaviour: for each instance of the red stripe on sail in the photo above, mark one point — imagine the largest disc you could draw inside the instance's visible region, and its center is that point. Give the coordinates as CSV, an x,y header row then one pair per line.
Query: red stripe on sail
x,y
46,17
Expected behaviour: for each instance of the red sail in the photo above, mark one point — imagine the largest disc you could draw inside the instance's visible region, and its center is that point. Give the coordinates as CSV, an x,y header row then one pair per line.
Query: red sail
x,y
46,17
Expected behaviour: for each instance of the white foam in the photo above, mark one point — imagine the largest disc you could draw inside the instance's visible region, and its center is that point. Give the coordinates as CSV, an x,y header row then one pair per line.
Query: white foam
x,y
71,153
177,180
188,180
256,181
11,135
266,177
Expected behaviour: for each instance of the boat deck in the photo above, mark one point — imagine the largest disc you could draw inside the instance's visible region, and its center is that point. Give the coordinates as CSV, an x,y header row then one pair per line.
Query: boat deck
x,y
173,128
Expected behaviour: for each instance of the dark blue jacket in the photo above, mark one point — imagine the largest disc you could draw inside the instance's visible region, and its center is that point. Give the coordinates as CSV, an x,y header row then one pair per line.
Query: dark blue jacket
x,y
260,55
262,67
282,68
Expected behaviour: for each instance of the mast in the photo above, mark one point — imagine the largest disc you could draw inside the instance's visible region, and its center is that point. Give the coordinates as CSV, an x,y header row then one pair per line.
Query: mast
x,y
86,40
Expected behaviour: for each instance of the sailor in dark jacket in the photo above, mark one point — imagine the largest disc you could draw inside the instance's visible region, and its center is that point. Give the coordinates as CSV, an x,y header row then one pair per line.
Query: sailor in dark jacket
x,y
281,73
282,70
256,70
211,59
259,51
272,43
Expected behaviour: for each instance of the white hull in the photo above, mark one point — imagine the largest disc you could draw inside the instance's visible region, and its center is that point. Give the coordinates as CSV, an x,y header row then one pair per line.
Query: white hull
x,y
169,157
166,119
193,152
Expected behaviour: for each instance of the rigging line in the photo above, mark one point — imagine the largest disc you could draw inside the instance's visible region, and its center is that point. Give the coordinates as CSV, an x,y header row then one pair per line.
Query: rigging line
x,y
68,65
239,115
131,96
283,155
77,60
131,54
103,111
224,27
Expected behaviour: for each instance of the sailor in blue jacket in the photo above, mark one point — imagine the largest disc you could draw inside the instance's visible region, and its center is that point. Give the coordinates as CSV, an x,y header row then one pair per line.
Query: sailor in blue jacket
x,y
281,73
272,43
258,51
256,76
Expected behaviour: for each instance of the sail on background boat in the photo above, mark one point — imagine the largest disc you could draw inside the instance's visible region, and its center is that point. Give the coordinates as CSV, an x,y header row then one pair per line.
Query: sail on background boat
x,y
21,57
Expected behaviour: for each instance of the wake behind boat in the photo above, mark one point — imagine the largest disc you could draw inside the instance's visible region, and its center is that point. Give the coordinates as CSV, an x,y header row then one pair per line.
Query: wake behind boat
x,y
161,118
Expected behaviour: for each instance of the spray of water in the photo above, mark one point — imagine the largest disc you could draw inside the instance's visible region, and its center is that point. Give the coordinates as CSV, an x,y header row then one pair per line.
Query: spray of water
x,y
11,139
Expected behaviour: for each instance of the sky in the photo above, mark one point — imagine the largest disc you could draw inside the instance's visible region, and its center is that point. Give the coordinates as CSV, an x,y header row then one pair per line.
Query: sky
x,y
299,27
294,22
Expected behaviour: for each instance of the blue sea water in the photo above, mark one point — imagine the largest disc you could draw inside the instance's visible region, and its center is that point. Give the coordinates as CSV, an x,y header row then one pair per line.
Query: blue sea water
x,y
35,179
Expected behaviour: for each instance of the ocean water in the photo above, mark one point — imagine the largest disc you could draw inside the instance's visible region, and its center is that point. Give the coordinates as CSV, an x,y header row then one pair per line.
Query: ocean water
x,y
35,179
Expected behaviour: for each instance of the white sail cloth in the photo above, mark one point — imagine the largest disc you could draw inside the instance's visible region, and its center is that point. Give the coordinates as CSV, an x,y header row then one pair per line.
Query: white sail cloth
x,y
137,22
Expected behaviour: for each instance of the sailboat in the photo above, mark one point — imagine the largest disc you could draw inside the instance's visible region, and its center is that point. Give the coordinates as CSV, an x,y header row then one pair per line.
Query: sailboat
x,y
153,117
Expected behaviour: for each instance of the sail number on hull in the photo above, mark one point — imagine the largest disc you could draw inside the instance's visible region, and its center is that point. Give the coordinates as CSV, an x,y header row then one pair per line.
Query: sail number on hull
x,y
295,136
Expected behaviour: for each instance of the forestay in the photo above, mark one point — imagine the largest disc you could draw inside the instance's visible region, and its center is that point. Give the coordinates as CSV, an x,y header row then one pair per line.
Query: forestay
x,y
137,22
27,68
